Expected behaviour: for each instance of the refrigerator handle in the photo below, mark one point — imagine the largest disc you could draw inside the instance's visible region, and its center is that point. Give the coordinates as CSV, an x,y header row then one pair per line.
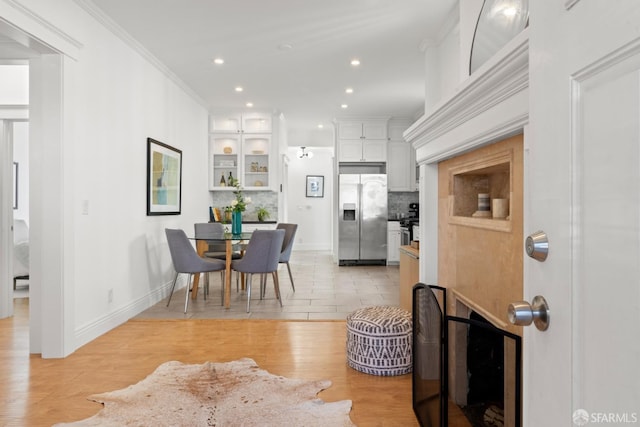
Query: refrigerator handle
x,y
360,212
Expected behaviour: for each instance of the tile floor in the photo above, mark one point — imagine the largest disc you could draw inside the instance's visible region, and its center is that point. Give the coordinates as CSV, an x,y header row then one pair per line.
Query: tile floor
x,y
324,291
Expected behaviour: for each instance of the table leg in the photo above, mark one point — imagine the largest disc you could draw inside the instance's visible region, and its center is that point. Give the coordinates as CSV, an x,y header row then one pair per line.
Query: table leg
x,y
227,276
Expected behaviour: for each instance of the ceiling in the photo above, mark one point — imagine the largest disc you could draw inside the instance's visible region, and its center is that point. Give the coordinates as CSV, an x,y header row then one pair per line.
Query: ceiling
x,y
290,56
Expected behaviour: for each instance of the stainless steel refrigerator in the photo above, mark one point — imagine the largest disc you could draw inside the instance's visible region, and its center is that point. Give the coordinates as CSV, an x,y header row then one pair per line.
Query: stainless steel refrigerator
x,y
362,223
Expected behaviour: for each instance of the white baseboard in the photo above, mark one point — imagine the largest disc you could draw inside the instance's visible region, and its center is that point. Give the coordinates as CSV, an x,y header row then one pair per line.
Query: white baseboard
x,y
90,331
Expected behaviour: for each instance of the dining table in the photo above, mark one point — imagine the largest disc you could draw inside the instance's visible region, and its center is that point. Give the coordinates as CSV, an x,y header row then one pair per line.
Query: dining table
x,y
202,246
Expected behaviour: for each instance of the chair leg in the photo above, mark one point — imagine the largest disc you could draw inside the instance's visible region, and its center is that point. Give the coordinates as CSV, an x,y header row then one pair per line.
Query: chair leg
x,y
172,288
276,286
263,285
222,276
187,292
249,280
205,291
291,276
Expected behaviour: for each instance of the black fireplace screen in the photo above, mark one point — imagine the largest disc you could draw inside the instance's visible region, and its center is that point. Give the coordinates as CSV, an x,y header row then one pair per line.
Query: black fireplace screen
x,y
431,400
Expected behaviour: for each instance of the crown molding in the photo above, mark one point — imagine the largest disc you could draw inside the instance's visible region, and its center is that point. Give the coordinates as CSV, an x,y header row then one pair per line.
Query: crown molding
x,y
25,20
97,13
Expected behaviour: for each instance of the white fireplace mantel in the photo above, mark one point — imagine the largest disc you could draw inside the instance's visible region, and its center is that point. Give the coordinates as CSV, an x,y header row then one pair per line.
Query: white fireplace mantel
x,y
492,104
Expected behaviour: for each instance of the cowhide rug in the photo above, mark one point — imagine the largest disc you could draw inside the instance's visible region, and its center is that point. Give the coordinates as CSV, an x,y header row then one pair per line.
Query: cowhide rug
x,y
236,393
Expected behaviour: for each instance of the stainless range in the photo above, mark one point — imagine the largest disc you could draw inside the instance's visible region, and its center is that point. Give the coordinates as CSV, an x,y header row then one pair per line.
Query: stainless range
x,y
406,224
406,230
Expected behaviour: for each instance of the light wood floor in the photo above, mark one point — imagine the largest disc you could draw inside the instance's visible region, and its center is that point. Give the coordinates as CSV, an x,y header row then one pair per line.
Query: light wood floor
x,y
304,339
39,392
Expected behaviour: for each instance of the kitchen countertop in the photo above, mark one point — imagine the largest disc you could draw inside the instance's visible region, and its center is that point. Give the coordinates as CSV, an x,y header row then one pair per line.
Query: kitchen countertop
x,y
411,251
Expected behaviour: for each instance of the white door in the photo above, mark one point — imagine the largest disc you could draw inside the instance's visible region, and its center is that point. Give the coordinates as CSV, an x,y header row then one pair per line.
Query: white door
x,y
583,189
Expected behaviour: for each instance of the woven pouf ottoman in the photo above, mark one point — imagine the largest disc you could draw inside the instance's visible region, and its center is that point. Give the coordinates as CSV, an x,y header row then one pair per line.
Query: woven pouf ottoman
x,y
379,340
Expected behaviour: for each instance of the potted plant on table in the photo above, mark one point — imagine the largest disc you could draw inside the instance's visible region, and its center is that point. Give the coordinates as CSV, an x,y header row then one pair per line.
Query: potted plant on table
x,y
238,205
263,213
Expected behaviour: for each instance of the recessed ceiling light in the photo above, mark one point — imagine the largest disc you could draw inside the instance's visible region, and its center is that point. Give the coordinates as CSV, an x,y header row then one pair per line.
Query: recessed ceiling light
x,y
320,126
344,106
249,104
218,61
239,89
355,62
348,90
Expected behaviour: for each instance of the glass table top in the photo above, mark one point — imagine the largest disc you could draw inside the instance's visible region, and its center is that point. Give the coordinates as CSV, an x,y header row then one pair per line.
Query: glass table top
x,y
225,236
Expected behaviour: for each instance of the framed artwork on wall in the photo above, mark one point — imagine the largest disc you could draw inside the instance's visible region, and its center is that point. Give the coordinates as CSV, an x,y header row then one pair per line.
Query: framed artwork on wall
x,y
315,186
164,179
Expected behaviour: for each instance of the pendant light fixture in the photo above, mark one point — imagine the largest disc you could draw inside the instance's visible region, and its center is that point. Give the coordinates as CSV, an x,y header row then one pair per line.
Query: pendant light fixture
x,y
302,153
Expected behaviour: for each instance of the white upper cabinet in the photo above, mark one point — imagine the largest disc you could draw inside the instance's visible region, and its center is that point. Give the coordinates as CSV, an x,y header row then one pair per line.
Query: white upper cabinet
x,y
240,123
401,160
240,147
362,141
369,129
256,123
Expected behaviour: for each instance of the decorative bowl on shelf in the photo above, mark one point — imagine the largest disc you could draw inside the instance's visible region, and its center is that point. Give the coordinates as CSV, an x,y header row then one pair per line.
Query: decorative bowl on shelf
x,y
227,150
258,184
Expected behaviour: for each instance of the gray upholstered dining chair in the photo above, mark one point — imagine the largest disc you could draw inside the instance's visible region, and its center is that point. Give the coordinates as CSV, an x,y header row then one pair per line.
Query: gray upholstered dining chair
x,y
287,246
261,257
186,260
214,230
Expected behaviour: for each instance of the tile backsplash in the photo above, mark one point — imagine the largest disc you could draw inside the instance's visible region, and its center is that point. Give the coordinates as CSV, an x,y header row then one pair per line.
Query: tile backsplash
x,y
398,202
265,199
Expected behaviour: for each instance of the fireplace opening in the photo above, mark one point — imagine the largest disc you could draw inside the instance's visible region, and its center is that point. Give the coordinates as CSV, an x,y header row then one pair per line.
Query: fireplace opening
x,y
466,371
485,373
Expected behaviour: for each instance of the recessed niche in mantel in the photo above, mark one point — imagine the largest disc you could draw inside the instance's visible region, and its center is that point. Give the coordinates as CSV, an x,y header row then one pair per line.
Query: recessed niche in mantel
x,y
490,175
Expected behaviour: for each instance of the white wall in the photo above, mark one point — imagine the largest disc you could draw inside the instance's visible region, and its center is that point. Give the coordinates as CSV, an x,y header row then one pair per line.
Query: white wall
x,y
447,58
14,84
113,99
21,156
14,101
314,215
120,100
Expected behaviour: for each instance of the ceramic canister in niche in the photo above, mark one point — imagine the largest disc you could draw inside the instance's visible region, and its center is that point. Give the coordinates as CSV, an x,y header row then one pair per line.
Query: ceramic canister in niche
x,y
500,208
483,202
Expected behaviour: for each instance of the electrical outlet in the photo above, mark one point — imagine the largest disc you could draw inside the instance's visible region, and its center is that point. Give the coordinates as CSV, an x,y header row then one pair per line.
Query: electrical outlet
x,y
110,296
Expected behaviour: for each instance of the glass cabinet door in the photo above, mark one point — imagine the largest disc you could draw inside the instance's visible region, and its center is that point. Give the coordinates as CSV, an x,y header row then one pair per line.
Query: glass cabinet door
x,y
256,123
225,123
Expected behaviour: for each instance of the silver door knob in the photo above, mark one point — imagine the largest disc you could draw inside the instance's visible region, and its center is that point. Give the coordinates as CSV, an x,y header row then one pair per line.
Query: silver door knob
x,y
537,246
522,313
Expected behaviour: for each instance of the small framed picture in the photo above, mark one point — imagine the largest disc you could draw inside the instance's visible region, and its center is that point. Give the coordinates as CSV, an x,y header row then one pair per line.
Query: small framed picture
x,y
315,186
164,179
